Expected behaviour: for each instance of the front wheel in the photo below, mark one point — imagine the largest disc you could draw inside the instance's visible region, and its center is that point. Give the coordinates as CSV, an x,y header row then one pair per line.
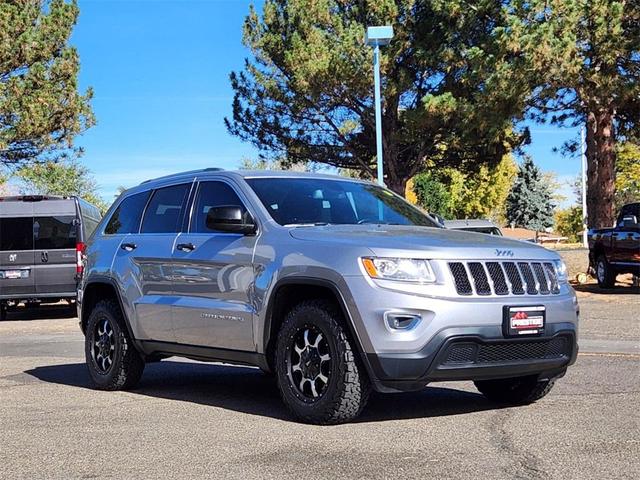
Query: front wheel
x,y
320,378
604,273
112,360
515,391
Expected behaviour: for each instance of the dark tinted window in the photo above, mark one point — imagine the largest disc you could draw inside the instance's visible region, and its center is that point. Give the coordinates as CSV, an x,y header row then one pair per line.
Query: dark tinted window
x,y
16,233
126,218
318,200
165,209
212,194
51,233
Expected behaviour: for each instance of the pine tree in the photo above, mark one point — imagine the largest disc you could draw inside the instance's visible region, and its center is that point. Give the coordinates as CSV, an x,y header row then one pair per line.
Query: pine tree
x,y
529,202
41,108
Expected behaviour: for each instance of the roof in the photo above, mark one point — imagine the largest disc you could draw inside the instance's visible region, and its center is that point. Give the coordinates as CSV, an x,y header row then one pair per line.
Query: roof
x,y
249,174
470,223
33,198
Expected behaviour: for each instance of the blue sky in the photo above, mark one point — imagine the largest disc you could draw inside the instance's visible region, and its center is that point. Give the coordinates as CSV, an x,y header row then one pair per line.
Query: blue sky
x,y
160,72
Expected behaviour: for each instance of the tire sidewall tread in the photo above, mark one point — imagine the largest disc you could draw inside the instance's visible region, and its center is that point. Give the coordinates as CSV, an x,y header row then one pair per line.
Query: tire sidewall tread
x,y
128,365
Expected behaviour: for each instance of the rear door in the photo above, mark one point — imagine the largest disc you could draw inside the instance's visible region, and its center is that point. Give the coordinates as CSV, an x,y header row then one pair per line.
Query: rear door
x,y
16,250
55,233
143,263
213,276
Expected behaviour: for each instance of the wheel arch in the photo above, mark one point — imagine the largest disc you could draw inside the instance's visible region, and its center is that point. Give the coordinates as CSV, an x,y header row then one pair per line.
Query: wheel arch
x,y
291,291
100,289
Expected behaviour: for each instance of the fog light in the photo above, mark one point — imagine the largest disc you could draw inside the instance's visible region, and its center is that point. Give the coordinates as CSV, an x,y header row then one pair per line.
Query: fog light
x,y
401,321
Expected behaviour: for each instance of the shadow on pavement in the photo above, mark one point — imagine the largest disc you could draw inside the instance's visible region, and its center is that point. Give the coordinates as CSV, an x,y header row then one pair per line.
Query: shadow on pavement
x,y
53,312
620,289
248,390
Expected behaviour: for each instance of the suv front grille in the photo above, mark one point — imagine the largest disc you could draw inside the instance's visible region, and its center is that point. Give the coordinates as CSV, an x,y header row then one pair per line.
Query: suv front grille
x,y
504,278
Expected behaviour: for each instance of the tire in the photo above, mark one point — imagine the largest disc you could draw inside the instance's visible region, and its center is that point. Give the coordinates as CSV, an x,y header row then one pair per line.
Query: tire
x,y
3,312
605,275
123,369
515,391
340,387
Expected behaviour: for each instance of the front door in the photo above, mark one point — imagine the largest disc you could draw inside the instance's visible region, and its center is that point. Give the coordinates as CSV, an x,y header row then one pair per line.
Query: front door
x,y
213,276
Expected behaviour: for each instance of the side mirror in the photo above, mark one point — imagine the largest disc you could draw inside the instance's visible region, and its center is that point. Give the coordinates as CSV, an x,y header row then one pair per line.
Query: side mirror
x,y
231,219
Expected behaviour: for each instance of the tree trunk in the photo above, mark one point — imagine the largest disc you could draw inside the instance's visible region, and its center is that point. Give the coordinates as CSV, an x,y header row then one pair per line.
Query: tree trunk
x,y
397,184
601,163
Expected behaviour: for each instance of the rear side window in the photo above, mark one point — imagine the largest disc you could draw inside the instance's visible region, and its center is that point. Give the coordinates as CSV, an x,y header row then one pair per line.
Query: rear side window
x,y
54,233
126,218
164,212
212,194
16,233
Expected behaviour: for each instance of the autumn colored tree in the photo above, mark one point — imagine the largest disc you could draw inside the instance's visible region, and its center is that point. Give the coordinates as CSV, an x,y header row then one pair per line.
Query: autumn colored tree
x,y
41,109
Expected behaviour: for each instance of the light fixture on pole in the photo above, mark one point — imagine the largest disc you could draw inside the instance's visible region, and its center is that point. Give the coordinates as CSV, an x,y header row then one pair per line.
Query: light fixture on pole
x,y
376,37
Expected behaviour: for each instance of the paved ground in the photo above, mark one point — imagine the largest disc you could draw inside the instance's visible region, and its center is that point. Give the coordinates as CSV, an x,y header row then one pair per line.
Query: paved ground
x,y
190,420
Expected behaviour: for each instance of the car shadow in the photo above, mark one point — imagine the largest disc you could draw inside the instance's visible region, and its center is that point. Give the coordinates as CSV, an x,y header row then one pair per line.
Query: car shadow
x,y
55,311
620,289
248,390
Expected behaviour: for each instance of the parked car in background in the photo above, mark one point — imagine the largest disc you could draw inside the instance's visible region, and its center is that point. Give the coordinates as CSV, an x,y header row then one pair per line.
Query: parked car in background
x,y
616,250
478,226
41,243
336,286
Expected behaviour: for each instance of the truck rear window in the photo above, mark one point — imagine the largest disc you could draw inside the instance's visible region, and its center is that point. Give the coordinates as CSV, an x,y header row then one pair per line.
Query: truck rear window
x,y
55,233
16,233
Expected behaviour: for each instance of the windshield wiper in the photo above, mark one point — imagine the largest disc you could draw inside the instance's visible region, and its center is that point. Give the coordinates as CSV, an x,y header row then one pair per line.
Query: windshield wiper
x,y
314,224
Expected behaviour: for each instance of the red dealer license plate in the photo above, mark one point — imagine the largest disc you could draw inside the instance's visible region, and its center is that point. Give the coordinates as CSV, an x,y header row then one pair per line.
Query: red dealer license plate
x,y
526,320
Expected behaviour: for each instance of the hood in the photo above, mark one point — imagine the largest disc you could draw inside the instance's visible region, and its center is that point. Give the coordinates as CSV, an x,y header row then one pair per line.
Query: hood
x,y
436,243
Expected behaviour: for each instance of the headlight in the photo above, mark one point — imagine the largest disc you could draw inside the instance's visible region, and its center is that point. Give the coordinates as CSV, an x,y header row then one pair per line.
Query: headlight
x,y
561,270
402,269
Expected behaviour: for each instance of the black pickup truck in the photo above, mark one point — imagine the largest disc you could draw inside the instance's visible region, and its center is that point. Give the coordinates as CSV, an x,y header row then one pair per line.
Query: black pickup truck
x,y
616,250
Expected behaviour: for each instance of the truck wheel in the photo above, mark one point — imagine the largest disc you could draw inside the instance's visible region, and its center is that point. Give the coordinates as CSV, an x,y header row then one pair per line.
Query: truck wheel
x,y
319,375
113,362
515,391
604,273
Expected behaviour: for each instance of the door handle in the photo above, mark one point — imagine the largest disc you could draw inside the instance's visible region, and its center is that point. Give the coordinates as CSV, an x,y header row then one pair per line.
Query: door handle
x,y
129,247
186,247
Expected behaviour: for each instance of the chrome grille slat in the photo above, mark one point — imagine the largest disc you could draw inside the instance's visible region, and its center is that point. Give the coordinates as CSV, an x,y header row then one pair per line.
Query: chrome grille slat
x,y
553,278
514,278
479,276
504,278
543,284
530,281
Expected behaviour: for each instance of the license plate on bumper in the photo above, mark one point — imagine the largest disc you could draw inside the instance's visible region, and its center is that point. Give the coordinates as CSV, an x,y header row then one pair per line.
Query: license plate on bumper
x,y
524,320
13,274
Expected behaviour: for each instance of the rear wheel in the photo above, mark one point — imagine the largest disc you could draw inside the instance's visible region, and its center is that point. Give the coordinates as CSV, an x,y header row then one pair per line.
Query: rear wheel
x,y
112,360
515,391
3,311
319,375
605,275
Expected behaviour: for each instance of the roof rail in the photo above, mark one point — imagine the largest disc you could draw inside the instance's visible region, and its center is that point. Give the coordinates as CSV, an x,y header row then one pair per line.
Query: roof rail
x,y
180,174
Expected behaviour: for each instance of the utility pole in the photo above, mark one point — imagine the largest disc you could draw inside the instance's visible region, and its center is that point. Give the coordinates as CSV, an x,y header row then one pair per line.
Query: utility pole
x,y
583,160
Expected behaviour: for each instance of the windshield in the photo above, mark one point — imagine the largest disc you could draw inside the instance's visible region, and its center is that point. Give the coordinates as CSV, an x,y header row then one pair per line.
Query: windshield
x,y
319,201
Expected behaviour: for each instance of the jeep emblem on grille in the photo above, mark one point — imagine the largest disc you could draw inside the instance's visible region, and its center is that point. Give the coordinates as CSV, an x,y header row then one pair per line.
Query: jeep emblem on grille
x,y
504,253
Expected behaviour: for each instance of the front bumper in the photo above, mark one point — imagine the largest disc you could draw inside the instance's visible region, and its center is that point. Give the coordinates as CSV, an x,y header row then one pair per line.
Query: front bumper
x,y
476,353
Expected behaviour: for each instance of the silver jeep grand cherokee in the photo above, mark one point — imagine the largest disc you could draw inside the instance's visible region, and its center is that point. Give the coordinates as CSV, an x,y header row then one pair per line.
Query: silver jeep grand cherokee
x,y
335,286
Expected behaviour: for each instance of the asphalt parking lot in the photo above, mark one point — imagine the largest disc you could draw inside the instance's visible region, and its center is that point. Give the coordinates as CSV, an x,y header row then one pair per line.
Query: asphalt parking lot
x,y
189,420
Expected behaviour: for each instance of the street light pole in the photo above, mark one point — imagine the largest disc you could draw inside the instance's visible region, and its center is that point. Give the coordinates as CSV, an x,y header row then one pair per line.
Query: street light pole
x,y
378,102
375,37
583,161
